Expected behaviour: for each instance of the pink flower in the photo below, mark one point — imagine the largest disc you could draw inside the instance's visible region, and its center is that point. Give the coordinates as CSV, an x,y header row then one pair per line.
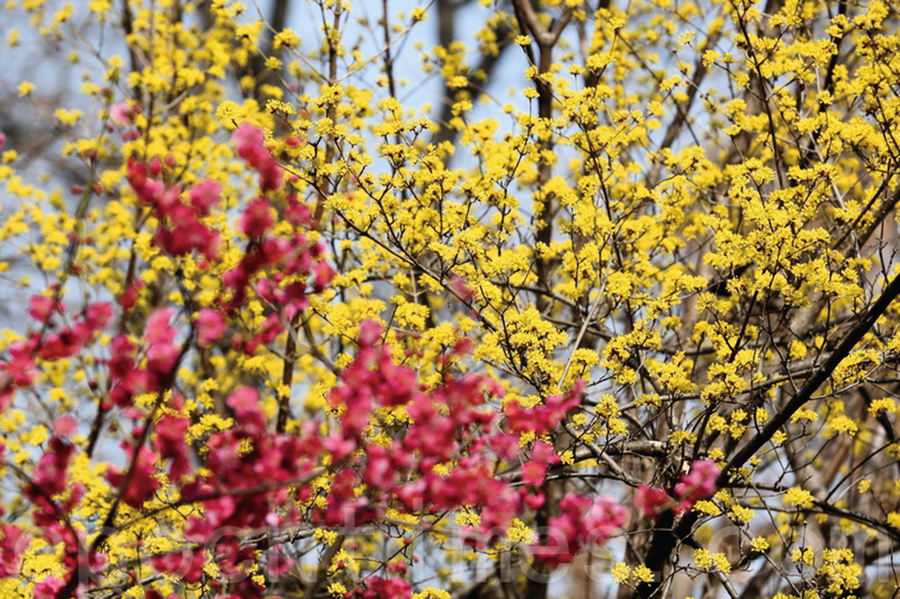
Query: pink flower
x,y
247,410
387,588
369,333
250,144
322,275
534,470
13,542
461,288
121,113
256,219
189,568
185,234
603,518
542,419
98,315
210,326
121,363
533,473
170,443
698,484
204,196
49,588
380,472
143,482
50,472
129,296
582,521
41,308
534,501
162,353
652,501
297,214
505,445
65,426
338,446
543,452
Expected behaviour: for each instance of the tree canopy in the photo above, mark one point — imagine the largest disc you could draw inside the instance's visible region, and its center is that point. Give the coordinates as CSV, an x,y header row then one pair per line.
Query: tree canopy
x,y
516,298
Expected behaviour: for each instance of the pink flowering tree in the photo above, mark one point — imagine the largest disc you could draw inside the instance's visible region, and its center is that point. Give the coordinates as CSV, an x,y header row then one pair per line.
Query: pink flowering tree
x,y
255,485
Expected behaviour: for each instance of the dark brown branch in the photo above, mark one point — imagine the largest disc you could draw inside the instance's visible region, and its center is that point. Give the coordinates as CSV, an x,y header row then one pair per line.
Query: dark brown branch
x,y
665,540
324,564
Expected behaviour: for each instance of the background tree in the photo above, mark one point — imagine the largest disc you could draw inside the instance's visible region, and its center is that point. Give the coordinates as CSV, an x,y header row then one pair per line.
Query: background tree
x,y
283,333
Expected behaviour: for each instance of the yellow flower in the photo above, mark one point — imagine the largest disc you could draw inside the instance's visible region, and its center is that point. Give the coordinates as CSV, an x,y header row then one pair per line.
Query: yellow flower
x,y
100,7
621,573
68,117
519,532
740,514
417,14
25,88
843,425
642,573
799,497
286,38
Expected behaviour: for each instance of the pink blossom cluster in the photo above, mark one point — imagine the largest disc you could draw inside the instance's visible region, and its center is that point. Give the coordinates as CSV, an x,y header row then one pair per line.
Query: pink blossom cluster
x,y
697,485
48,483
68,341
543,418
139,488
251,146
126,378
180,231
48,491
292,256
256,479
385,588
13,542
51,342
18,371
448,424
582,521
406,468
249,472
